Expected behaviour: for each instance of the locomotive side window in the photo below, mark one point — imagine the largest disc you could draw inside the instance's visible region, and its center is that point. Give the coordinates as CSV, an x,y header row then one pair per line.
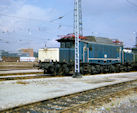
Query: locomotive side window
x,y
67,45
62,44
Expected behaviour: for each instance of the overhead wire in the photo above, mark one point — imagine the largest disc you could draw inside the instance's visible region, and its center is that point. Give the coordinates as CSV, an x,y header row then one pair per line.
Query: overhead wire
x,y
50,21
133,4
34,19
27,38
61,17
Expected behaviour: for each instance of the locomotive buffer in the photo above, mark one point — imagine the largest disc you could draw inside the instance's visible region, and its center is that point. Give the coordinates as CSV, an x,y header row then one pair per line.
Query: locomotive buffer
x,y
77,32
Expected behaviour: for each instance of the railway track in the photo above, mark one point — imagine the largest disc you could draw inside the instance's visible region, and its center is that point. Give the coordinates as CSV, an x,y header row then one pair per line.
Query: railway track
x,y
21,77
29,76
78,101
19,73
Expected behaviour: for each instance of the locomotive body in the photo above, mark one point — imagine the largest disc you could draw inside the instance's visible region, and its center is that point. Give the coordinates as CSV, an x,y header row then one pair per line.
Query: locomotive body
x,y
100,53
97,55
94,53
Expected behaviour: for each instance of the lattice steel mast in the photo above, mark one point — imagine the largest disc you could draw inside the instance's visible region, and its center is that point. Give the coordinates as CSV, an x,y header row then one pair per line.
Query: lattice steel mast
x,y
77,32
136,40
80,16
80,19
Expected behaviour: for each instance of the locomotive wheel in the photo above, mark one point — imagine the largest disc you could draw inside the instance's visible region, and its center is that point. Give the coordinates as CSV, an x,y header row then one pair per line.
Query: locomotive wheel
x,y
101,69
122,68
112,69
81,70
127,68
89,71
106,69
65,69
97,69
93,70
117,68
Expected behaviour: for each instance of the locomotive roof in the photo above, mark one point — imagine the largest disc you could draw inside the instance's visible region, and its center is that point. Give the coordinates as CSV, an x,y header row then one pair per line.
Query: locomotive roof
x,y
90,39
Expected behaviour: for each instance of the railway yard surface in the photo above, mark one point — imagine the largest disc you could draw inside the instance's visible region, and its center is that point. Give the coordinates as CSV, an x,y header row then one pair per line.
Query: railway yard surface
x,y
16,65
20,72
15,93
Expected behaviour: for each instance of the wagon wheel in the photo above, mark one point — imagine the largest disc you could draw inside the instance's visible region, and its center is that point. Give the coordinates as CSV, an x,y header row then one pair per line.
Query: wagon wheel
x,y
58,69
51,70
45,71
65,69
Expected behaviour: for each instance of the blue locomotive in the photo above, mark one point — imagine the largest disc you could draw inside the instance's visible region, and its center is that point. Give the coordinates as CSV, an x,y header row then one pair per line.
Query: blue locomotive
x,y
97,55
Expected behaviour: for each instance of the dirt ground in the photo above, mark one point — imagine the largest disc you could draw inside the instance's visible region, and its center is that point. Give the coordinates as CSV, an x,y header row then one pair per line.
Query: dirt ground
x,y
16,65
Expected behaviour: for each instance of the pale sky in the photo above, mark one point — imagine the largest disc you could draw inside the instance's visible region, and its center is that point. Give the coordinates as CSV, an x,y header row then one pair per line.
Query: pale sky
x,y
34,23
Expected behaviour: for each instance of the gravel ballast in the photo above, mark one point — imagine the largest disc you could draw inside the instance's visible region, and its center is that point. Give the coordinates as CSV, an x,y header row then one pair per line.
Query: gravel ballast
x,y
124,104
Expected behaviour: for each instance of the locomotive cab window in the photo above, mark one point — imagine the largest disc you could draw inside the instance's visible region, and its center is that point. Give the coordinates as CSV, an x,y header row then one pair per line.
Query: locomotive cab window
x,y
62,44
67,45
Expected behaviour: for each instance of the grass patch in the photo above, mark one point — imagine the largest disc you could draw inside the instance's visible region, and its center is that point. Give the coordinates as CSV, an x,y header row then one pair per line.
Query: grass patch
x,y
108,108
22,82
112,104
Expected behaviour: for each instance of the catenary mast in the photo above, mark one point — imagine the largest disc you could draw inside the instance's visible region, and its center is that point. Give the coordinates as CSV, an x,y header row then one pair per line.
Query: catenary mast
x,y
136,40
80,19
77,32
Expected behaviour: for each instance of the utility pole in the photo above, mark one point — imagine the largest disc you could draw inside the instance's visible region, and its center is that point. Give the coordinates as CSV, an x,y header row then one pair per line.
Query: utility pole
x,y
80,19
77,32
136,40
80,16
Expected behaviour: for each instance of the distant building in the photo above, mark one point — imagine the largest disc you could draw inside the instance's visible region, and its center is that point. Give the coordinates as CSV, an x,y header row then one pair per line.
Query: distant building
x,y
0,56
24,55
28,51
8,54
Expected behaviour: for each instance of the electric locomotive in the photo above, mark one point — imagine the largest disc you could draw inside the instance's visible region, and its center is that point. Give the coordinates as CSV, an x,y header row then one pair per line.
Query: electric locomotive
x,y
97,55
